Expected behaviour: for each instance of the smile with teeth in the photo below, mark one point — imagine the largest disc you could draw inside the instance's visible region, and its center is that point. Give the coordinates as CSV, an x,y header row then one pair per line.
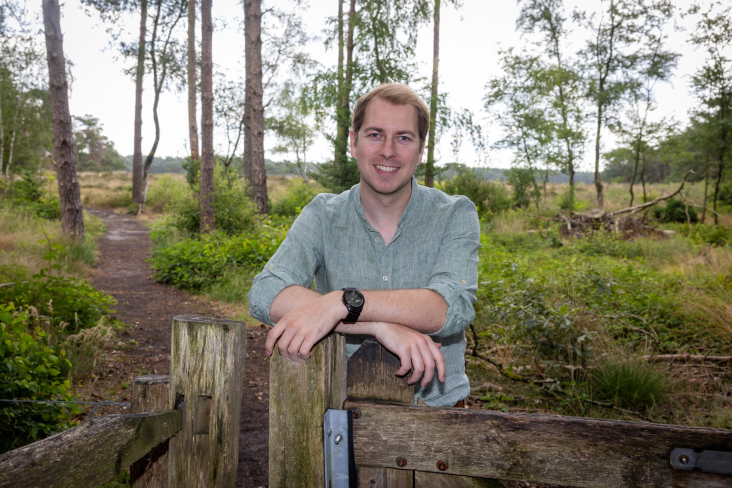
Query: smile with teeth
x,y
388,169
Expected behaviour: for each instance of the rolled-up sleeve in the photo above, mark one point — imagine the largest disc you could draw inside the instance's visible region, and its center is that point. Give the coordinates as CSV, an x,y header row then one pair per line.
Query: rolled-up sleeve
x,y
455,273
294,262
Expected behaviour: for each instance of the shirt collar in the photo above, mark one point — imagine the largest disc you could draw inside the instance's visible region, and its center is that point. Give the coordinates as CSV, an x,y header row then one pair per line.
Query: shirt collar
x,y
355,197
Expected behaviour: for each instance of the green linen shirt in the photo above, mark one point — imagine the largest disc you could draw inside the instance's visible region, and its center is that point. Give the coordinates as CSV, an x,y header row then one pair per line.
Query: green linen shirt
x,y
434,247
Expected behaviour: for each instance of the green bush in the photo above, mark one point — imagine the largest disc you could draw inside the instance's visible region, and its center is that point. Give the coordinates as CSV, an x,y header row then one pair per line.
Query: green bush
x,y
291,201
714,235
628,382
676,211
29,193
165,192
234,211
525,189
490,198
198,263
29,370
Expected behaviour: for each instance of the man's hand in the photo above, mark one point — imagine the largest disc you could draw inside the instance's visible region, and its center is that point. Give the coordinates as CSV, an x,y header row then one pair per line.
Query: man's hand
x,y
414,349
300,329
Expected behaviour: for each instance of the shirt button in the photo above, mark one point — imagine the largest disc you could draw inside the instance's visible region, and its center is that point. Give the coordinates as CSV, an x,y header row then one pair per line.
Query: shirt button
x,y
377,239
384,278
271,266
462,282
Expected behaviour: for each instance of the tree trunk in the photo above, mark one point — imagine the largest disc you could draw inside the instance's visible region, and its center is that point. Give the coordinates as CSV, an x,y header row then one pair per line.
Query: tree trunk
x,y
137,152
247,156
64,147
598,182
706,190
206,190
192,124
255,122
344,107
643,179
2,136
429,175
9,167
339,112
720,168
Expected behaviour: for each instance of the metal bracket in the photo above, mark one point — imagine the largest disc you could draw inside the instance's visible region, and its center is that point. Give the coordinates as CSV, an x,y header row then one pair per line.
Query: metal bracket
x,y
718,462
340,465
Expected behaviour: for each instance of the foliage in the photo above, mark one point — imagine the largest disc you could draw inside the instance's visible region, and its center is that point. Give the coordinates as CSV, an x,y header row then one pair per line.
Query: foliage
x,y
525,190
29,193
95,151
165,192
628,382
196,264
489,197
235,212
29,369
290,202
337,179
676,211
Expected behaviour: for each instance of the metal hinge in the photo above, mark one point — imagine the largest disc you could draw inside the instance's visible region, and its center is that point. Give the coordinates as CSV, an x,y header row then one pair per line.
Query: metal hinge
x,y
340,465
718,462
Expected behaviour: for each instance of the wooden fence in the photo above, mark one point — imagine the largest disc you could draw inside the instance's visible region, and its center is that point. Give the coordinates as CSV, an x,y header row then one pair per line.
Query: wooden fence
x,y
188,435
398,444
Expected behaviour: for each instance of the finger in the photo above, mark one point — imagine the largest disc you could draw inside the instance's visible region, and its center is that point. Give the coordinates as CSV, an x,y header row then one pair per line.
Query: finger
x,y
439,360
429,363
307,346
406,362
284,343
417,363
293,349
273,335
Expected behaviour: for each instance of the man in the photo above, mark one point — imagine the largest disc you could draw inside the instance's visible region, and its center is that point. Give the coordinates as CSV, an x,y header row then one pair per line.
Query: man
x,y
390,259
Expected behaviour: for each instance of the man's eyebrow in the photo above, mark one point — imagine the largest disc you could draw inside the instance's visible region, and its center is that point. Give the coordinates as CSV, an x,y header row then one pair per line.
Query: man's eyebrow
x,y
379,129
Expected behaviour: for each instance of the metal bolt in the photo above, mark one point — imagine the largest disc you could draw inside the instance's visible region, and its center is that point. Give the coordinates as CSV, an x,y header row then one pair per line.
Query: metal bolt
x,y
330,431
684,459
442,465
356,413
401,462
338,439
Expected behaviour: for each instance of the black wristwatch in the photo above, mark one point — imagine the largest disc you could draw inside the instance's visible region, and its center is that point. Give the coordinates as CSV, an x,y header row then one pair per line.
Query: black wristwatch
x,y
353,300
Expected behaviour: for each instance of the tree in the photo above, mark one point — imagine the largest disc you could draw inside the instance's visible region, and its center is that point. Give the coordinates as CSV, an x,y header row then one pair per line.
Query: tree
x,y
292,129
192,125
561,81
165,61
72,215
712,83
139,76
95,151
254,110
206,191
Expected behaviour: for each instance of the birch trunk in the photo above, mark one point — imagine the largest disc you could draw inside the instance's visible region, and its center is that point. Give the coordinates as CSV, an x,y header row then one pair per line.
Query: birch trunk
x,y
137,152
206,190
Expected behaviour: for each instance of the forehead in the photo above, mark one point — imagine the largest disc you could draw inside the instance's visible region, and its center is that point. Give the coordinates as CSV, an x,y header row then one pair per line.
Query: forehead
x,y
388,116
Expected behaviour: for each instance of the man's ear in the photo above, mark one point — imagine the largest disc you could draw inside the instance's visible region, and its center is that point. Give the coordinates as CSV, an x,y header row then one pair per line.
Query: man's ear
x,y
352,136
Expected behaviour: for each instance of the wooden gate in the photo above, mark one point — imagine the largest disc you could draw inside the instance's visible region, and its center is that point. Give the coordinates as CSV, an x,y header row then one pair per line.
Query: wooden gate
x,y
398,444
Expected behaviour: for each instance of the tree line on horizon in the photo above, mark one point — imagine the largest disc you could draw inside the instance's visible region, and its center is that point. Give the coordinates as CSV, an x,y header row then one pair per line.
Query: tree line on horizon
x,y
551,100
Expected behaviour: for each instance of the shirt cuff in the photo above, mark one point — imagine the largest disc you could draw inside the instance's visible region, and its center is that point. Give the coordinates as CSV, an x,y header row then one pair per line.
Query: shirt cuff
x,y
267,287
459,311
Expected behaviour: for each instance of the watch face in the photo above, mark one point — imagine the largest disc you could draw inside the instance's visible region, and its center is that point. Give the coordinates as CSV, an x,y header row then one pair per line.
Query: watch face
x,y
353,298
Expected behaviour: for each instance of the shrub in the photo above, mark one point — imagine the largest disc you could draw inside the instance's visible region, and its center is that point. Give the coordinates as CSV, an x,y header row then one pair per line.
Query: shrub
x,y
675,211
198,263
30,370
234,211
165,192
291,201
490,198
628,382
525,189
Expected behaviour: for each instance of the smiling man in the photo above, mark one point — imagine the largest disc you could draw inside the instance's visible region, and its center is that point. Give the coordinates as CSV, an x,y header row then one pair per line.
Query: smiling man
x,y
389,258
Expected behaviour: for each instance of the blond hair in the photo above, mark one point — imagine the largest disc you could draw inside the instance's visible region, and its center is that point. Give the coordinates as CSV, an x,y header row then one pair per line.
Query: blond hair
x,y
396,94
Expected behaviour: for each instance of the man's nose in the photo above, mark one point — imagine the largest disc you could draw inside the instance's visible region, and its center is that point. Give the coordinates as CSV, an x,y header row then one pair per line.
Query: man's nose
x,y
388,149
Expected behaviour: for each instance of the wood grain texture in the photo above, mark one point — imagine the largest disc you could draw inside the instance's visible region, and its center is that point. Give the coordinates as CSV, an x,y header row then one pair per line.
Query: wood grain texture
x,y
371,375
371,477
150,393
399,478
299,395
566,451
87,455
207,368
438,480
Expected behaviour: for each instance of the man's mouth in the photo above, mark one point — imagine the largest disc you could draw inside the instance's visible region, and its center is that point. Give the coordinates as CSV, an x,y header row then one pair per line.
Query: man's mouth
x,y
387,169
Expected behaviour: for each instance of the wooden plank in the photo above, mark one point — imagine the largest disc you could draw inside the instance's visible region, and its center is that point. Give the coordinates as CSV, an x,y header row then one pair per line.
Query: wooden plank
x,y
150,393
371,375
423,479
299,395
566,451
369,477
207,369
399,478
89,454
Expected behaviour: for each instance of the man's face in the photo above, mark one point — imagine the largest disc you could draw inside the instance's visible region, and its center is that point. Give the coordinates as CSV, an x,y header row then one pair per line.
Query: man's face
x,y
388,148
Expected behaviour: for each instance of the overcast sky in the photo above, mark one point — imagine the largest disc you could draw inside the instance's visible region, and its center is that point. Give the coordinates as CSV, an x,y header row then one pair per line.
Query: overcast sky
x,y
470,41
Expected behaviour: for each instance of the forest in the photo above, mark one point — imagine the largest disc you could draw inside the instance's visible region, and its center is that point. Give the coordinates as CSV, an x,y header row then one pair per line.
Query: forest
x,y
605,273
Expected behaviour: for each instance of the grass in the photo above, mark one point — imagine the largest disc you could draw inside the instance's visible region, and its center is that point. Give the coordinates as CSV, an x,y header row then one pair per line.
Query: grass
x,y
628,382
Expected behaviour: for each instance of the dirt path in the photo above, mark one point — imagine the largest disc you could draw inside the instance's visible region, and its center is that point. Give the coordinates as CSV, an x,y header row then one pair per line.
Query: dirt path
x,y
149,308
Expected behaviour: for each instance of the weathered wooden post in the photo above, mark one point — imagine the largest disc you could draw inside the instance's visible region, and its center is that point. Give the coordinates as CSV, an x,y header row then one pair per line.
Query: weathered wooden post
x,y
206,371
150,393
299,395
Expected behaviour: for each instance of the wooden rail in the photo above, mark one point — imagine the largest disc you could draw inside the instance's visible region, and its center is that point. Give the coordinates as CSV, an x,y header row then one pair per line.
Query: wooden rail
x,y
401,445
188,437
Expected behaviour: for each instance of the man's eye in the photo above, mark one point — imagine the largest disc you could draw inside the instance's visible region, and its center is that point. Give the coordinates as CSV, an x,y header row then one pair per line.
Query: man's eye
x,y
373,135
404,139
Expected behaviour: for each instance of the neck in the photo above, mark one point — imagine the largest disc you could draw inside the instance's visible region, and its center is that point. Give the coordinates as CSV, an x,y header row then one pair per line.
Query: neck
x,y
384,210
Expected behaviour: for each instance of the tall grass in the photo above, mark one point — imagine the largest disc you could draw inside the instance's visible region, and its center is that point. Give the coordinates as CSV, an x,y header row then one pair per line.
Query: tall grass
x,y
628,382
